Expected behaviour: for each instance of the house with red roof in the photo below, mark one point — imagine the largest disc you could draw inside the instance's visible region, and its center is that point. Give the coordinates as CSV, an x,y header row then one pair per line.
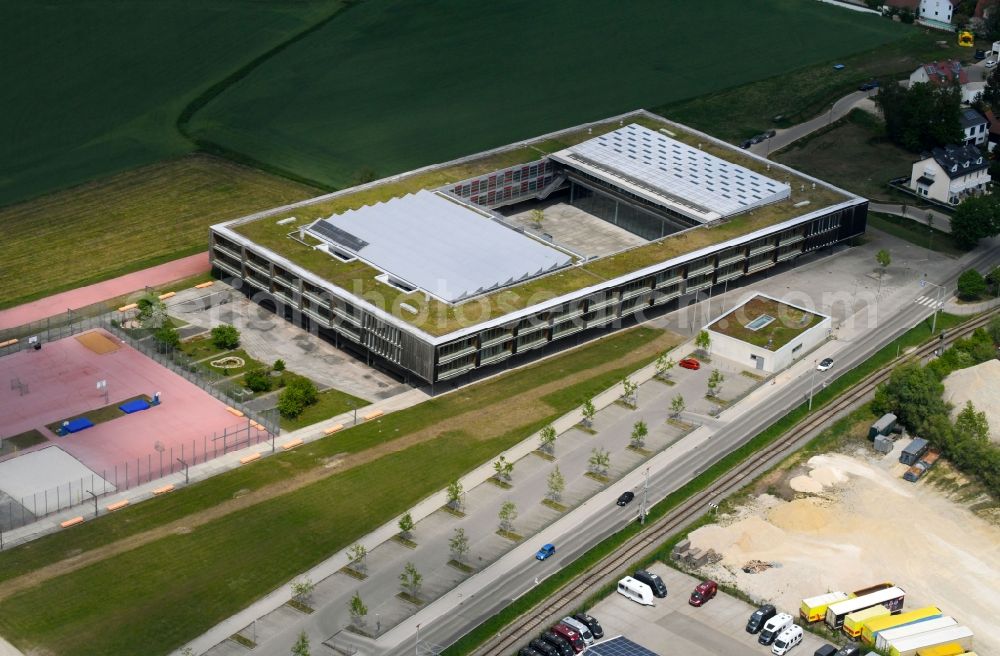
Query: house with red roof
x,y
940,74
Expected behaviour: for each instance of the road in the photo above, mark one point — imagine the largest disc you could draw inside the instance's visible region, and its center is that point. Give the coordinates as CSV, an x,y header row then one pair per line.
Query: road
x,y
786,136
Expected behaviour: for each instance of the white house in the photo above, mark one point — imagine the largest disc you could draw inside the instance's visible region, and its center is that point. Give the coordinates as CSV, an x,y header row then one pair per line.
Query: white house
x,y
940,74
937,10
951,174
974,127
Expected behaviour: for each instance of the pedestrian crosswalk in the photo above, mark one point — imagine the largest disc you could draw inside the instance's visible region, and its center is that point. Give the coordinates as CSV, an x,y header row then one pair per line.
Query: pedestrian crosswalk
x,y
927,301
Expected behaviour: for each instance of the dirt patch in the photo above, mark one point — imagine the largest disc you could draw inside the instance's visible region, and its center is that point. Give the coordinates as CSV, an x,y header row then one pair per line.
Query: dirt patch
x,y
485,423
98,342
863,526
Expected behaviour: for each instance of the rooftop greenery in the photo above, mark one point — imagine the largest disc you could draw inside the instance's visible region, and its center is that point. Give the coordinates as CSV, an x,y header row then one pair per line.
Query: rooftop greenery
x,y
437,318
789,322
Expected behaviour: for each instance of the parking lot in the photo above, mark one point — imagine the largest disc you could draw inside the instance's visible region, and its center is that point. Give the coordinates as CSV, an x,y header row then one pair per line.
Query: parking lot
x,y
674,627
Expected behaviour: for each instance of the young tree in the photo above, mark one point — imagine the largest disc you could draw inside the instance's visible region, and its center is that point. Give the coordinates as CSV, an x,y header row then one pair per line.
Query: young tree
x,y
639,432
677,406
459,544
406,526
556,484
884,259
599,461
589,411
703,341
547,439
411,580
715,380
302,590
358,610
298,393
972,424
301,646
664,364
629,389
538,217
152,312
167,338
503,469
507,515
971,285
356,556
455,495
225,336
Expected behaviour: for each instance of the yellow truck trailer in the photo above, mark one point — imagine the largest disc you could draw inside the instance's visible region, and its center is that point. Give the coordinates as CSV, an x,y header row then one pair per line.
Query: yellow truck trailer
x,y
854,622
870,628
813,609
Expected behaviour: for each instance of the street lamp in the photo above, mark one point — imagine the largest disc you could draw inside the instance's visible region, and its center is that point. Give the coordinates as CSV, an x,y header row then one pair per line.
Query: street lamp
x,y
185,465
812,385
938,302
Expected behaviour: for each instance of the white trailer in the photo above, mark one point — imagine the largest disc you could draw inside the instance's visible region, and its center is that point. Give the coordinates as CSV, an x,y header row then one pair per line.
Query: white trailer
x,y
957,635
637,591
884,638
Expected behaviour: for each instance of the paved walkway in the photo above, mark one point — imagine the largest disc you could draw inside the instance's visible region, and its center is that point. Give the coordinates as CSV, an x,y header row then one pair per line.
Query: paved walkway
x,y
786,136
50,306
926,216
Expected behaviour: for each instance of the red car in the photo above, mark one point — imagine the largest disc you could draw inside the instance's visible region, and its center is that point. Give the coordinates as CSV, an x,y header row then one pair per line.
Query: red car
x,y
703,592
690,363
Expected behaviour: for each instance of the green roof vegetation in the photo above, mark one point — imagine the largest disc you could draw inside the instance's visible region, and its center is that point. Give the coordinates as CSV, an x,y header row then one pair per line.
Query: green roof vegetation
x,y
788,323
437,318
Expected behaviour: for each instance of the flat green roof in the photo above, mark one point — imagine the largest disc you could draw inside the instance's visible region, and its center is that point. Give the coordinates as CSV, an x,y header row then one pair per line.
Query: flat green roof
x,y
765,322
438,318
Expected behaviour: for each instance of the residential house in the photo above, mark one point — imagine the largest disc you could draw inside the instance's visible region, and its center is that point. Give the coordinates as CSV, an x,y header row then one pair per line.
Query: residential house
x,y
951,174
940,74
974,126
937,10
994,130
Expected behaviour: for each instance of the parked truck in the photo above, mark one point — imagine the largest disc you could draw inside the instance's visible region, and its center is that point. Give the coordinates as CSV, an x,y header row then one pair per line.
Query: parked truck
x,y
953,635
813,609
892,598
886,638
854,622
871,628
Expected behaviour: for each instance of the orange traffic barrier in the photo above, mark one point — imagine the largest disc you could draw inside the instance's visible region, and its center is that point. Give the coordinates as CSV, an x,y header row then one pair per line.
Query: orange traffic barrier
x,y
72,522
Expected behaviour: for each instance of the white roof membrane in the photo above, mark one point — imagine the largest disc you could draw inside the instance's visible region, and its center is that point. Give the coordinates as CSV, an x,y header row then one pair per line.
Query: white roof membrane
x,y
445,248
666,171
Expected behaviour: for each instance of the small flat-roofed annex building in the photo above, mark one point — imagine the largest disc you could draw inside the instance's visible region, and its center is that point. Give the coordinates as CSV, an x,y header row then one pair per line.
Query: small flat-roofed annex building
x,y
767,334
452,268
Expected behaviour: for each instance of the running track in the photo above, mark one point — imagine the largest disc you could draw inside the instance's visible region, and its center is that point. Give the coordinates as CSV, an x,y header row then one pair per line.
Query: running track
x,y
102,291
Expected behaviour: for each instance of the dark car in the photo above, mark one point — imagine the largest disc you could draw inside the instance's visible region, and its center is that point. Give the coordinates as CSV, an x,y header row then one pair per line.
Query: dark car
x,y
746,143
527,651
626,498
543,647
868,86
560,643
850,649
758,138
759,617
825,650
591,623
703,592
654,582
770,134
980,55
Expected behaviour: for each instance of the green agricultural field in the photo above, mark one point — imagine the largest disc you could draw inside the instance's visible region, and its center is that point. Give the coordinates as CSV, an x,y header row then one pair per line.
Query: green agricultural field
x,y
171,589
95,87
127,222
391,85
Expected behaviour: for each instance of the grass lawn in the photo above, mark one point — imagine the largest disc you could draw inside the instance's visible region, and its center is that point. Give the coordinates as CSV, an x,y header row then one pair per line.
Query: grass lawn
x,y
99,415
787,323
248,363
127,68
201,348
197,581
330,404
339,101
126,222
915,233
738,112
853,154
21,441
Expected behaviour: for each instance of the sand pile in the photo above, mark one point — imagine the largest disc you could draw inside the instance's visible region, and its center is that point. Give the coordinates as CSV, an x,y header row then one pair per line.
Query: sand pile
x,y
802,515
806,484
823,475
981,385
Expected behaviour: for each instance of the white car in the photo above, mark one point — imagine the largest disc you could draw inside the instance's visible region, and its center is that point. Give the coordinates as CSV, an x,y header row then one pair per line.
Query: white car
x,y
990,63
824,364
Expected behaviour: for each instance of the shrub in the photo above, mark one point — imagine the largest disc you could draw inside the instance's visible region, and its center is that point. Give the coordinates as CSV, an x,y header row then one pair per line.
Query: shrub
x,y
225,336
258,380
298,393
279,365
167,338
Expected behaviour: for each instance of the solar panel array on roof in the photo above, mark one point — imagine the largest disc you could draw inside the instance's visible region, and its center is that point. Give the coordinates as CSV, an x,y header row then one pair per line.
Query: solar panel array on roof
x,y
705,187
445,248
619,646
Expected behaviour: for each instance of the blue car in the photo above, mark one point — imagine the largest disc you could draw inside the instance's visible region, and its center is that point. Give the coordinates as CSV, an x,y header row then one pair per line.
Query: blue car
x,y
545,552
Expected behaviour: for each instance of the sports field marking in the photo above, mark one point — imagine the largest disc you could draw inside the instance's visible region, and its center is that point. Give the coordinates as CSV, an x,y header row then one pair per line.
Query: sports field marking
x,y
98,342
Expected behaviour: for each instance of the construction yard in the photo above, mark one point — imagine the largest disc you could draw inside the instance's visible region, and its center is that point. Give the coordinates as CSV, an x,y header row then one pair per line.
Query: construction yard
x,y
842,521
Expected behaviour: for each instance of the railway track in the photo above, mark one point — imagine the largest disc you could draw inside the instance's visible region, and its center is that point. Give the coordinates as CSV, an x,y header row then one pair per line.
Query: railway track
x,y
532,621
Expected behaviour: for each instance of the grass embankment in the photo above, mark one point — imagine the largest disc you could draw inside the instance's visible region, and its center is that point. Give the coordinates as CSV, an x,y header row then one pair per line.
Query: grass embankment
x,y
21,441
330,403
915,233
125,100
879,360
203,576
739,112
125,223
328,123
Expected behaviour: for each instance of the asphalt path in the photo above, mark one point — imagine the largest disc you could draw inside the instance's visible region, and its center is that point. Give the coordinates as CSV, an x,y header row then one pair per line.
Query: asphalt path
x,y
787,136
477,607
